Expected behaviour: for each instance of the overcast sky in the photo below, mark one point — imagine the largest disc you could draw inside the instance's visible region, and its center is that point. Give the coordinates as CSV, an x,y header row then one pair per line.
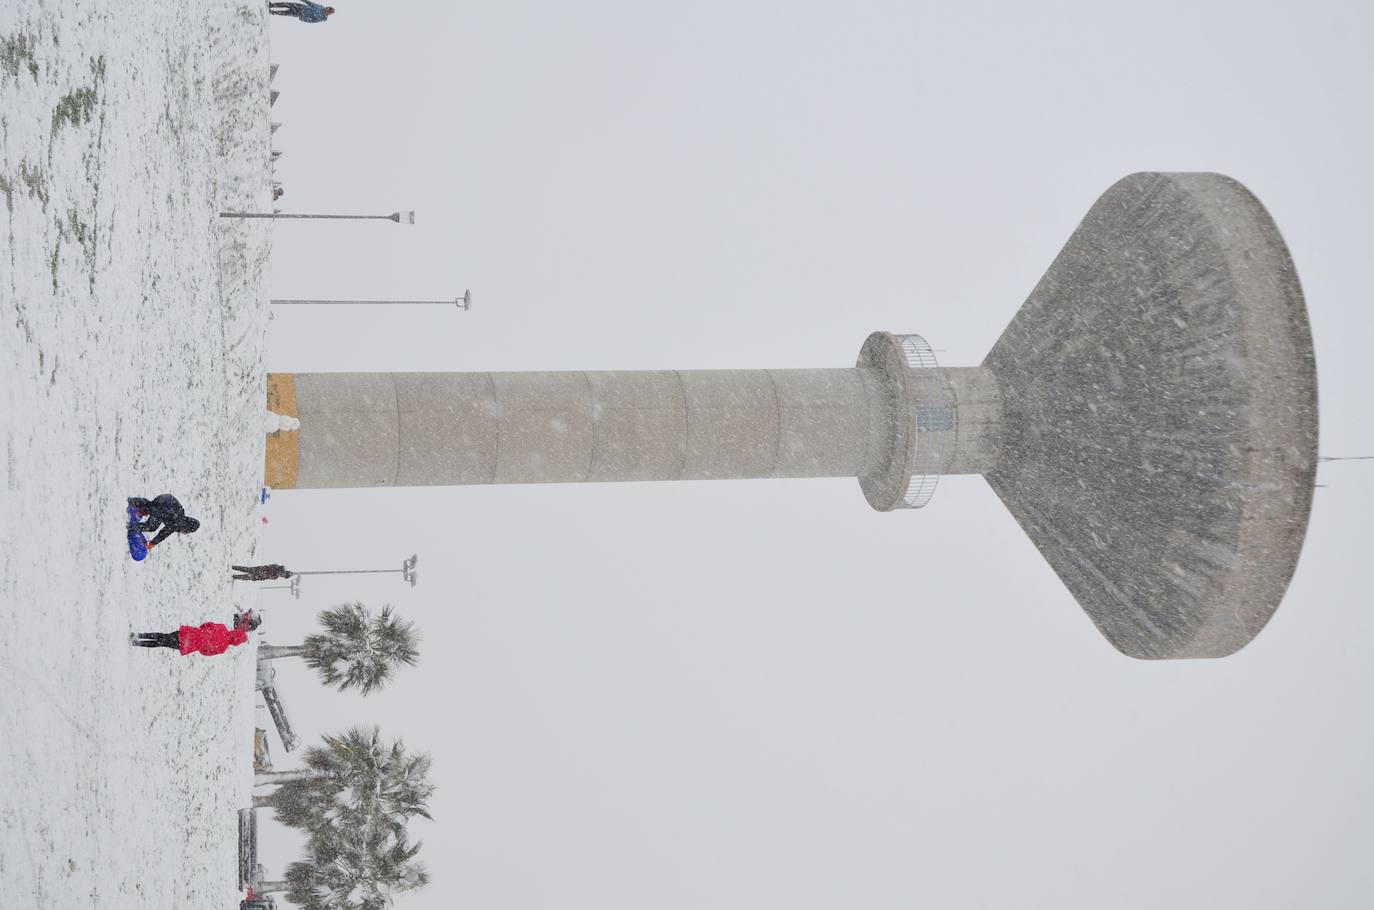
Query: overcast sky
x,y
762,693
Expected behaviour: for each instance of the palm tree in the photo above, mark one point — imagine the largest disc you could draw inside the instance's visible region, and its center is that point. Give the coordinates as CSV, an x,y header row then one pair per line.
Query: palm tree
x,y
355,649
355,868
353,777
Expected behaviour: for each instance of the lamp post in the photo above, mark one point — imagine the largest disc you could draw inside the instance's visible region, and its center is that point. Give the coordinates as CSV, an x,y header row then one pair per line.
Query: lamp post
x,y
294,587
407,571
463,303
398,217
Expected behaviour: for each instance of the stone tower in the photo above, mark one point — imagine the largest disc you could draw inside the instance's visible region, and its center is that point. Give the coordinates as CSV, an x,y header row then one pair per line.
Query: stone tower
x,y
1149,417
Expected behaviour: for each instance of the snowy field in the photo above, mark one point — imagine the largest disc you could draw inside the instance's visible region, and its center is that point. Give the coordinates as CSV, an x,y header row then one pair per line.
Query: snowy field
x,y
132,351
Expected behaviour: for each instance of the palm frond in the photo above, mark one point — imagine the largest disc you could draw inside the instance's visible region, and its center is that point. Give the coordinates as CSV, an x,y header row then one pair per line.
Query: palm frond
x,y
355,650
363,782
355,869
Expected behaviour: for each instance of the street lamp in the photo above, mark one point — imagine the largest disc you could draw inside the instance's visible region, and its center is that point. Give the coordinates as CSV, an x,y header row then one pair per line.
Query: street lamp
x,y
463,303
294,587
398,217
407,571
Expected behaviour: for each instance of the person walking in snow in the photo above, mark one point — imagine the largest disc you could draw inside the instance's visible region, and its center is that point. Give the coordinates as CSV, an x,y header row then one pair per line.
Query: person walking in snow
x,y
307,11
209,638
261,573
161,510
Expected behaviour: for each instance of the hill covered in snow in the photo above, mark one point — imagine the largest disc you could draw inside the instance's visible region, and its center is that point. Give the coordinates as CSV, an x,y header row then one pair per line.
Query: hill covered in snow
x,y
133,365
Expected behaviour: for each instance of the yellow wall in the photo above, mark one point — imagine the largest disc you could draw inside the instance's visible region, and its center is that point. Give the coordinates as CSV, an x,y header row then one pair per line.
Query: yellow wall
x,y
279,463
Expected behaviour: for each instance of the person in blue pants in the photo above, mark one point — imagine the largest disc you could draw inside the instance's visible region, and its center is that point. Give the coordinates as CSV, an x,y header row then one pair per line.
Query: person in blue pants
x,y
306,11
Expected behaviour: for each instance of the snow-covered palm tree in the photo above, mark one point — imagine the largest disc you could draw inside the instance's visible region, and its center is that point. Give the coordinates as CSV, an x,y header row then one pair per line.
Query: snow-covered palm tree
x,y
353,867
355,650
352,778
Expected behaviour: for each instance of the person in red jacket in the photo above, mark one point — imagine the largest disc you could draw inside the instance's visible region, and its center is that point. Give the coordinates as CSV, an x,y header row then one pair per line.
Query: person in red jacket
x,y
208,638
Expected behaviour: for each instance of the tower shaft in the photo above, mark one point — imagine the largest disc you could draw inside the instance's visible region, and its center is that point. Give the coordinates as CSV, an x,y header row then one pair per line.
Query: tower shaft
x,y
427,429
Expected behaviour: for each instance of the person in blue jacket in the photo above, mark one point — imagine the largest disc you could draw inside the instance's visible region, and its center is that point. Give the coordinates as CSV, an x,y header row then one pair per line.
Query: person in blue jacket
x,y
308,11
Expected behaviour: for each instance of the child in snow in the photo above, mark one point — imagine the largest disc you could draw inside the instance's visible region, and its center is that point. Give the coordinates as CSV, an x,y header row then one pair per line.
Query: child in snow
x,y
208,638
162,510
306,11
261,573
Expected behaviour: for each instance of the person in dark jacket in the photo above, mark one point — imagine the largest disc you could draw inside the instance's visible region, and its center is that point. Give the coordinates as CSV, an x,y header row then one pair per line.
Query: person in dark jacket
x,y
161,510
209,638
261,573
306,11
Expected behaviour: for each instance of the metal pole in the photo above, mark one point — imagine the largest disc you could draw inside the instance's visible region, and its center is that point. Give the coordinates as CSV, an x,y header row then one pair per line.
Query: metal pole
x,y
463,303
294,587
398,217
407,571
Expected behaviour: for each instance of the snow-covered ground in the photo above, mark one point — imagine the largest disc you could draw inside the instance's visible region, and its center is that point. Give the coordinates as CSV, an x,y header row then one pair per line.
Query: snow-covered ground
x,y
132,344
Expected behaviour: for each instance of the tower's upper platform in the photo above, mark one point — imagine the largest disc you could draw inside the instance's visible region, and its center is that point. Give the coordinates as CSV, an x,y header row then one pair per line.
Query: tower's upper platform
x,y
1159,397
